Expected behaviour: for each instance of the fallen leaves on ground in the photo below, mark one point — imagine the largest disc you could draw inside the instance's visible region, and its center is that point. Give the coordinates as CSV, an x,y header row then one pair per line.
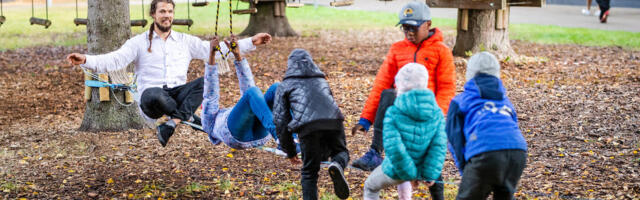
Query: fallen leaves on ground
x,y
578,108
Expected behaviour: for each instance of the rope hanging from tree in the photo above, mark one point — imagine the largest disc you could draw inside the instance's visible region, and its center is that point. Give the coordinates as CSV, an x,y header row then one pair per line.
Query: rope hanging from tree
x,y
223,62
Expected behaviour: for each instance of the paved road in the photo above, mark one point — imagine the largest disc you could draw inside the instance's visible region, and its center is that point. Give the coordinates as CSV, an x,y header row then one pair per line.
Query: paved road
x,y
614,3
623,19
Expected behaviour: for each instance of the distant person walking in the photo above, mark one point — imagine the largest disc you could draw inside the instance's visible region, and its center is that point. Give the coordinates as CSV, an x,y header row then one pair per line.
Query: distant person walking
x,y
604,9
587,11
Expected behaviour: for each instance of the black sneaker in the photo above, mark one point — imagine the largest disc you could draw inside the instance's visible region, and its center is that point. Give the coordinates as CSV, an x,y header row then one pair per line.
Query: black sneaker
x,y
196,120
195,123
340,185
165,131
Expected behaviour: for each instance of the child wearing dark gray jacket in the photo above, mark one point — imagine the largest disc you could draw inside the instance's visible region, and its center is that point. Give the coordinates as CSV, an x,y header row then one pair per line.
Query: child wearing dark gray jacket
x,y
304,104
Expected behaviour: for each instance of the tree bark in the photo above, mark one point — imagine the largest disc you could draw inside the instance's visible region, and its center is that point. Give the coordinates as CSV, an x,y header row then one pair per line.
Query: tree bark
x,y
108,28
270,18
483,33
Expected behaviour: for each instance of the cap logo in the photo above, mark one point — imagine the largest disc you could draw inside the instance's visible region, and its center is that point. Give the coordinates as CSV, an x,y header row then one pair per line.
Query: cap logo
x,y
408,12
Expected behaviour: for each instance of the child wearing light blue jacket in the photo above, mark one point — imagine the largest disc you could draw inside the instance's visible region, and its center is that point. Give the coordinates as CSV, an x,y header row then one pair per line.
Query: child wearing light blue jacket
x,y
415,142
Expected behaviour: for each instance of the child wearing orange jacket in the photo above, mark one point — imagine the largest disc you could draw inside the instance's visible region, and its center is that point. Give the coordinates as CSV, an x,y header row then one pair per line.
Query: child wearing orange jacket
x,y
421,45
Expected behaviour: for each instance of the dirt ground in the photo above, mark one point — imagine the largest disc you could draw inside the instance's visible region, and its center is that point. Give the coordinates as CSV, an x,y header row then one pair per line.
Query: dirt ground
x,y
578,108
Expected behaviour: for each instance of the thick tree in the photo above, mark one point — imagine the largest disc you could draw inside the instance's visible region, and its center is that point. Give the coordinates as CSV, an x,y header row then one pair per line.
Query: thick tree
x,y
108,28
487,30
270,18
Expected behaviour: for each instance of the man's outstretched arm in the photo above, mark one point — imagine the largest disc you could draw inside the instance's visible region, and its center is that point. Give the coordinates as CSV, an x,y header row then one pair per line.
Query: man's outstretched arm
x,y
112,61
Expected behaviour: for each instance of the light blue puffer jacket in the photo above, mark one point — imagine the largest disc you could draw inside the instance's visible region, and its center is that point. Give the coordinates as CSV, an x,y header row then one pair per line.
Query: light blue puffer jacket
x,y
415,142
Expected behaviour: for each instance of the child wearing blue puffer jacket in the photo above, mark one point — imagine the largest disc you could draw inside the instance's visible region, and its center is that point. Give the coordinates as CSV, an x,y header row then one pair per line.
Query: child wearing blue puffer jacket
x,y
482,128
415,142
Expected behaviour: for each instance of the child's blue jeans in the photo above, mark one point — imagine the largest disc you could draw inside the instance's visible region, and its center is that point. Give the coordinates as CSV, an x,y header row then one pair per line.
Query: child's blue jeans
x,y
251,118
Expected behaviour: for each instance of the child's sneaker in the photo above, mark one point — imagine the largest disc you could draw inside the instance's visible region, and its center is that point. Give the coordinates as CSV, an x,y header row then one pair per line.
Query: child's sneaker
x,y
165,131
280,151
586,12
369,161
340,185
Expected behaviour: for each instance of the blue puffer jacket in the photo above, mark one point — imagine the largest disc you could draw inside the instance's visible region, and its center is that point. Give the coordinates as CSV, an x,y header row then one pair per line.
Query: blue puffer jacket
x,y
482,119
415,142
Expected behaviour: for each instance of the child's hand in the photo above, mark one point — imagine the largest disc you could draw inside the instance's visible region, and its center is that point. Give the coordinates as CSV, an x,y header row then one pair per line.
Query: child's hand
x,y
233,46
214,46
357,128
295,160
429,183
415,184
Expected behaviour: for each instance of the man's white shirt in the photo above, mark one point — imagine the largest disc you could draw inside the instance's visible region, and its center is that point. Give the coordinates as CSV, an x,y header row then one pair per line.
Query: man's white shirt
x,y
166,64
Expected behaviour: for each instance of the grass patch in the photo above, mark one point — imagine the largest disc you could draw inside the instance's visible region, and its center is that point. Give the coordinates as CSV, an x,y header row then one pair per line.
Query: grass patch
x,y
225,184
17,33
196,187
7,187
547,34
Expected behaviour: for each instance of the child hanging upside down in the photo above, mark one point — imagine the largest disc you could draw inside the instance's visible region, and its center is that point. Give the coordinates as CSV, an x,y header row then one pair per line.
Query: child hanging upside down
x,y
249,123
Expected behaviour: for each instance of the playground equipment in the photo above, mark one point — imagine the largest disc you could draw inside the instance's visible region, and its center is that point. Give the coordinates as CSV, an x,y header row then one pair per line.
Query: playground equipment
x,y
336,3
185,22
251,10
101,82
293,4
39,21
200,4
139,22
501,8
79,21
83,21
2,18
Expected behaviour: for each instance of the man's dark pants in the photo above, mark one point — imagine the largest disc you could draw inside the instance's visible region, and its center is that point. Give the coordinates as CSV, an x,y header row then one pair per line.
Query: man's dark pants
x,y
387,98
177,102
316,147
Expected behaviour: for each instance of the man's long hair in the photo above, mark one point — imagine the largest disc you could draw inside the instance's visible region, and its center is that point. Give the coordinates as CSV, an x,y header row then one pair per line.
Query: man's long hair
x,y
152,10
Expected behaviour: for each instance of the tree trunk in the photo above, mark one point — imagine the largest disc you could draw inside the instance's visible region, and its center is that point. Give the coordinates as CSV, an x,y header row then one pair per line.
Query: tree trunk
x,y
108,28
483,33
271,18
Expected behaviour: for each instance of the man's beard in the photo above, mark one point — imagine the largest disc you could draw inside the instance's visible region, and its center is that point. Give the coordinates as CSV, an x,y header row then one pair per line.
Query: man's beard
x,y
163,28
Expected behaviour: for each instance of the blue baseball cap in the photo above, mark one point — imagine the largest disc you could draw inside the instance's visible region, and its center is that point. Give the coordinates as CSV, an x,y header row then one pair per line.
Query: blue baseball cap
x,y
414,13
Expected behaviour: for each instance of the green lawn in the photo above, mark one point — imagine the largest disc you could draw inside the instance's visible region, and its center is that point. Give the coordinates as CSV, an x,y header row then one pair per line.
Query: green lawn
x,y
17,33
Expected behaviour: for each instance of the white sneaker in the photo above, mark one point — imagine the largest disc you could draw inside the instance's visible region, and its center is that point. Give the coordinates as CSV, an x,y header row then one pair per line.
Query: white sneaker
x,y
586,12
596,13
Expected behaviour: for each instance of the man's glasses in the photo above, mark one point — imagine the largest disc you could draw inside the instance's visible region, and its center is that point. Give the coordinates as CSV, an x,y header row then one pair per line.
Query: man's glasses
x,y
409,28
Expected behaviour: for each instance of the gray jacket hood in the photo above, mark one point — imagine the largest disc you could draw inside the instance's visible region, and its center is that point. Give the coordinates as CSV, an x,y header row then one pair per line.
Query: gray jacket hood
x,y
301,65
